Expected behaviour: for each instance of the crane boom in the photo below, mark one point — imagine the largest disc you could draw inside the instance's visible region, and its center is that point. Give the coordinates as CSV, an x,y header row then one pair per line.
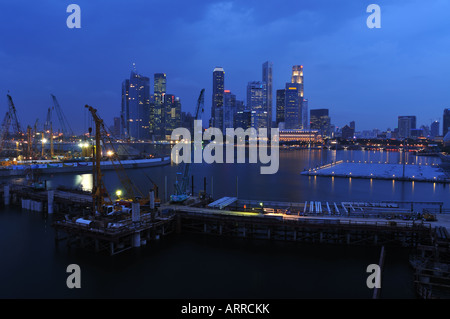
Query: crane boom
x,y
181,189
101,134
48,121
13,114
4,130
65,126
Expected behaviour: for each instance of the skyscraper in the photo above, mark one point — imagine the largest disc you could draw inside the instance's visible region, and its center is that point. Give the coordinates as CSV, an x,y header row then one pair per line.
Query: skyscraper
x,y
229,110
405,125
138,104
292,114
434,130
305,114
172,114
268,79
280,103
320,120
446,122
297,78
157,114
125,107
217,97
257,102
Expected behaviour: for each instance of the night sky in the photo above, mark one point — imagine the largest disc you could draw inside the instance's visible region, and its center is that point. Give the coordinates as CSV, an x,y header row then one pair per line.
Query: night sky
x,y
367,75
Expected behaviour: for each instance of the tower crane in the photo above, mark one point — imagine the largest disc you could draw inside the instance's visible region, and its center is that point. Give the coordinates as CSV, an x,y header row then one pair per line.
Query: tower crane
x,y
181,189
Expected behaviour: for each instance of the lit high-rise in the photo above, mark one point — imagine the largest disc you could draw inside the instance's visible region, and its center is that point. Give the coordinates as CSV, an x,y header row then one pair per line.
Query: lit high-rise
x,y
157,109
280,104
217,97
446,122
292,114
257,102
267,77
297,78
136,109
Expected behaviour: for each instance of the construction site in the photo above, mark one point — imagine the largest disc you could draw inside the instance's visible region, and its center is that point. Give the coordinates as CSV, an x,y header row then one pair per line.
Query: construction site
x,y
101,222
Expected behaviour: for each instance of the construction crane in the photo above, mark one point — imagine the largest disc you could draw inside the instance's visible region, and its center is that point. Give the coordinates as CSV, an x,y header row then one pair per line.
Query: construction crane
x,y
99,189
4,130
13,114
65,126
48,128
181,188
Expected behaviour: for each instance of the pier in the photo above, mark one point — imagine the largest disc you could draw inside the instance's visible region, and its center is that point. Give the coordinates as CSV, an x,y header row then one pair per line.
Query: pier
x,y
380,170
300,228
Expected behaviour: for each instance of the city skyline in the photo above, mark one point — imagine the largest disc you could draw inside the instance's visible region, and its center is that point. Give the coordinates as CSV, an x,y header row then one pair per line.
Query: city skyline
x,y
356,72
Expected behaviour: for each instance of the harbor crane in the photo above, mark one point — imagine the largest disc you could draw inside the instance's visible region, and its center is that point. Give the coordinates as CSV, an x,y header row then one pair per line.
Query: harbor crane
x,y
181,188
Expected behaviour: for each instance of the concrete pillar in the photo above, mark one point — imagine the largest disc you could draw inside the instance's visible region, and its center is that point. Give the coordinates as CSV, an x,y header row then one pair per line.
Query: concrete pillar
x,y
152,200
137,239
136,212
6,194
50,195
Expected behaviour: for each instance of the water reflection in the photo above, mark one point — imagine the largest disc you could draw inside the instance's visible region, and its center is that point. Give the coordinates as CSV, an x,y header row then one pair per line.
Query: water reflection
x,y
286,185
85,182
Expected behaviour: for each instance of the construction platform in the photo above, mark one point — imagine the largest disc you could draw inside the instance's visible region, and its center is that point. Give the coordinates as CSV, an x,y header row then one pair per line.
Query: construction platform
x,y
112,236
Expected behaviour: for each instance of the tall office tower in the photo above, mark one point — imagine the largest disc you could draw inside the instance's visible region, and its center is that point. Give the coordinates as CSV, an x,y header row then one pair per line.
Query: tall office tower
x,y
280,103
257,102
352,125
297,77
434,131
157,112
292,114
268,79
405,125
172,114
217,97
446,122
305,114
229,110
125,109
320,120
138,105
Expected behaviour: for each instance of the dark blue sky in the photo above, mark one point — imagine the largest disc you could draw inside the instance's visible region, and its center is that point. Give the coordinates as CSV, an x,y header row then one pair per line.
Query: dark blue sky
x,y
367,75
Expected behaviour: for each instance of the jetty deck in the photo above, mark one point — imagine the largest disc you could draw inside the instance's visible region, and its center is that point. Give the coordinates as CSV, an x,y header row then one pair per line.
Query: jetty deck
x,y
388,171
